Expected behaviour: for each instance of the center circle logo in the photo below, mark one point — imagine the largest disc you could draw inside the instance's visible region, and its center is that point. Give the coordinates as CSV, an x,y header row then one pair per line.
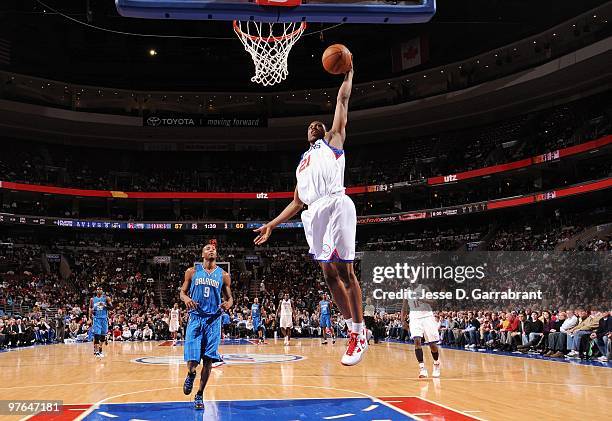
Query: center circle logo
x,y
153,121
228,359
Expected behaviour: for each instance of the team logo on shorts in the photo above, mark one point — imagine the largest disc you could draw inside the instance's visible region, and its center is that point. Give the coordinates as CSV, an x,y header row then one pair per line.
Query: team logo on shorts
x,y
228,359
326,248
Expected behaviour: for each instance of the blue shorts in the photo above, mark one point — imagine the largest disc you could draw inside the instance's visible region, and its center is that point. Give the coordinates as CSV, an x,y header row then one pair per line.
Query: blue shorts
x,y
256,324
100,326
325,321
202,338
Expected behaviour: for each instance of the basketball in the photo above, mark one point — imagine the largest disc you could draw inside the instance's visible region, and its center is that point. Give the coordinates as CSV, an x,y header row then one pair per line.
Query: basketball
x,y
337,59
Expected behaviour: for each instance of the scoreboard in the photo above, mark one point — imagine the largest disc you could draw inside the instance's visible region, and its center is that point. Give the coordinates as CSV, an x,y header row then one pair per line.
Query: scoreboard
x,y
6,218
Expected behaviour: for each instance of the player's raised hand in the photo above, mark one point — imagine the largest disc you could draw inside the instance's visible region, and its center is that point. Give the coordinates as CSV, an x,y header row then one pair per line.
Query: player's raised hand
x,y
264,233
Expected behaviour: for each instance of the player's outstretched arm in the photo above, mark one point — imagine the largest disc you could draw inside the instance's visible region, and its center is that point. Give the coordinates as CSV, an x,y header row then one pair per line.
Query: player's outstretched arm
x,y
289,212
227,292
184,294
336,136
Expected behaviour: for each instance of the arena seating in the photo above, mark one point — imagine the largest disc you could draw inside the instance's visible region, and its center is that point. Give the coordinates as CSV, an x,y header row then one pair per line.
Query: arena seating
x,y
408,159
50,300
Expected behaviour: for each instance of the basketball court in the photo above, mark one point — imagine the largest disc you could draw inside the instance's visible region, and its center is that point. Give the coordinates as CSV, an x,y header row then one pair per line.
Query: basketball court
x,y
143,380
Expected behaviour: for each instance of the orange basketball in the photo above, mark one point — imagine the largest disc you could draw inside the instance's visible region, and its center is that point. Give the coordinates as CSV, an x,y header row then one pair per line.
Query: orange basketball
x,y
337,59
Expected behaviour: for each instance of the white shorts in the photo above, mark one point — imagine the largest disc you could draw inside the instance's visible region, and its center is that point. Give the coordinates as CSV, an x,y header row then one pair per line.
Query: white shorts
x,y
286,321
330,225
426,328
174,326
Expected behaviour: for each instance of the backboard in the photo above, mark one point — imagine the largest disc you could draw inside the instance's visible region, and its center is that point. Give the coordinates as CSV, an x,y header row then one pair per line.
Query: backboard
x,y
373,11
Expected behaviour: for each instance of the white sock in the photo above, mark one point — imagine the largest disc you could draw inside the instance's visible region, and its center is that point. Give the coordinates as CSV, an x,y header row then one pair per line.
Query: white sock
x,y
349,324
357,327
421,365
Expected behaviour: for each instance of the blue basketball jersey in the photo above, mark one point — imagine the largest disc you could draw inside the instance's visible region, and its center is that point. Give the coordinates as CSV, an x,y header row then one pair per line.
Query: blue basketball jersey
x,y
255,311
324,308
206,290
99,307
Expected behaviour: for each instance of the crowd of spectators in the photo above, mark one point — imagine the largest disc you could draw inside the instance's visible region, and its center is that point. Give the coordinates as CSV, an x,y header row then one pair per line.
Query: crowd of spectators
x,y
46,302
408,160
563,333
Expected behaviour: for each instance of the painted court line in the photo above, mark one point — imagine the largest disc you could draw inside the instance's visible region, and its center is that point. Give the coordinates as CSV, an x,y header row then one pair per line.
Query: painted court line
x,y
451,409
417,406
335,417
398,409
389,379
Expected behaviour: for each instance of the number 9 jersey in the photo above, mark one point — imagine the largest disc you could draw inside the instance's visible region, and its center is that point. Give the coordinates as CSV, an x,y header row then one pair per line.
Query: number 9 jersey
x,y
206,290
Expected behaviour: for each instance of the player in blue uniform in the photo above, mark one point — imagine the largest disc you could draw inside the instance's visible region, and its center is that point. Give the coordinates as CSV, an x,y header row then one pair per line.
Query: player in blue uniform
x,y
324,311
98,314
201,292
226,322
256,317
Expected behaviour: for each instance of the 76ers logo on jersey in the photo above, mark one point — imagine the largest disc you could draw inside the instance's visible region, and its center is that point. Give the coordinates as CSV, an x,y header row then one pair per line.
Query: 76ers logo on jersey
x,y
304,164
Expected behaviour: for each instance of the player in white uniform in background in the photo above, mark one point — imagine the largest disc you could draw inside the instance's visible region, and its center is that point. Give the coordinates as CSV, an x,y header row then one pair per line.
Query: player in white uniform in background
x,y
286,317
330,223
424,329
175,323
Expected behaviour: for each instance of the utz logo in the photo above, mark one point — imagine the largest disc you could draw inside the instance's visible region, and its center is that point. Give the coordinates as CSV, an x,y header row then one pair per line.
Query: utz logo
x,y
228,359
262,195
450,178
153,121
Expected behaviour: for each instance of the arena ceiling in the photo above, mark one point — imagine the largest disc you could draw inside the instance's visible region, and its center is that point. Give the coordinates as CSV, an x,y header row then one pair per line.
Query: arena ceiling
x,y
47,44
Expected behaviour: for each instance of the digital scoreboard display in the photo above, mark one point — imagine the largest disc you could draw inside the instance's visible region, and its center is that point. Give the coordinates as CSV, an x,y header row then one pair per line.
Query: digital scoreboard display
x,y
6,218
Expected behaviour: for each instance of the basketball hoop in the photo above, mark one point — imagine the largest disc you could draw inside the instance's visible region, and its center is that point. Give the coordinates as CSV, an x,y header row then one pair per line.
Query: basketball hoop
x,y
269,45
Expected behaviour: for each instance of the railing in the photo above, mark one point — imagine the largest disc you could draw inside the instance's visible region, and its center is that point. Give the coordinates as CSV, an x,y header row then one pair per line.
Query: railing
x,y
15,309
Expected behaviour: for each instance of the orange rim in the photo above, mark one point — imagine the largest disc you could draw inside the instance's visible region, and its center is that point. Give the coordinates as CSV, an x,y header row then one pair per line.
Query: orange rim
x,y
299,30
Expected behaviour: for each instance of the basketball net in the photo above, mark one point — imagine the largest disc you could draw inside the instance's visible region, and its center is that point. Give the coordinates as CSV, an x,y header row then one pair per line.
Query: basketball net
x,y
269,44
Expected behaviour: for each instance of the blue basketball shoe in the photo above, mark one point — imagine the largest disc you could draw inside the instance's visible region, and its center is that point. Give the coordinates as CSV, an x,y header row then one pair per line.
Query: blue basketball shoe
x,y
198,402
188,385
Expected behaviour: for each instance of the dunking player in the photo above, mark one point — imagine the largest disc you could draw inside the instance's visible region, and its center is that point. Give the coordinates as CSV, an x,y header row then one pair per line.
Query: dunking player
x,y
201,293
286,317
98,313
256,317
423,329
175,324
330,223
324,310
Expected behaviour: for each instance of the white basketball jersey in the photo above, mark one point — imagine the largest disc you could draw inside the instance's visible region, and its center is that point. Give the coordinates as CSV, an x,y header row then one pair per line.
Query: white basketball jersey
x,y
286,309
174,315
418,308
320,172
